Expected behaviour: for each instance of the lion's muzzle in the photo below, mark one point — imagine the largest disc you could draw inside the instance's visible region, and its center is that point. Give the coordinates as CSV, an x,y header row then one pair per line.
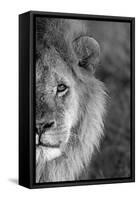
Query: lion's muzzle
x,y
48,135
43,125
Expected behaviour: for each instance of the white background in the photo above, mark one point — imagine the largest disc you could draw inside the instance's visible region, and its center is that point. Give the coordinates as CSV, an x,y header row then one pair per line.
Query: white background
x,y
9,11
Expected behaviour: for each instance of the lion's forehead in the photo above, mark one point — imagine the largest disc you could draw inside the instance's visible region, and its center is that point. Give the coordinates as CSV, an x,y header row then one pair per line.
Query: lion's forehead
x,y
45,65
52,70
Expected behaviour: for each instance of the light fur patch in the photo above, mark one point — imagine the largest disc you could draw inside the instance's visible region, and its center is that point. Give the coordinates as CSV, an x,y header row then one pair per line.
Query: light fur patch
x,y
47,153
72,113
43,155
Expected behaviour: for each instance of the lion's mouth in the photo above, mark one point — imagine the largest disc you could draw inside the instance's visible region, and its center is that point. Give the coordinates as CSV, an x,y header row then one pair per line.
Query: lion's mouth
x,y
51,139
48,145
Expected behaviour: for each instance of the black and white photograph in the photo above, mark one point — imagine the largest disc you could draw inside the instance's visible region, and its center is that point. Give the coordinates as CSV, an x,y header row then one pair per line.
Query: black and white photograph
x,y
83,99
68,83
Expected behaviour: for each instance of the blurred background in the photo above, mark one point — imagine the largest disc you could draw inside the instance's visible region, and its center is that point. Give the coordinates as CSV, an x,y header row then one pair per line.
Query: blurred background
x,y
113,158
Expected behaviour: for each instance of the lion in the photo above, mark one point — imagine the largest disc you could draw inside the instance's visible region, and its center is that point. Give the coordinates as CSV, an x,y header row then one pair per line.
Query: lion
x,y
70,100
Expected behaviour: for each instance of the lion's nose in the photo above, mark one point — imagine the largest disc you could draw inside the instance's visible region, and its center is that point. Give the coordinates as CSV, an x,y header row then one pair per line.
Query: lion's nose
x,y
42,126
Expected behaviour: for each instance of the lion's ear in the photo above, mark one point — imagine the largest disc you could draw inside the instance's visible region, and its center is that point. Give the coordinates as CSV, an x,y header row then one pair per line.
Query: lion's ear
x,y
87,51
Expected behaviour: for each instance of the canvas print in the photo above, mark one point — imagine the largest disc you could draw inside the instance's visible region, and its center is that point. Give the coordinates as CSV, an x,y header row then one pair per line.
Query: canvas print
x,y
82,99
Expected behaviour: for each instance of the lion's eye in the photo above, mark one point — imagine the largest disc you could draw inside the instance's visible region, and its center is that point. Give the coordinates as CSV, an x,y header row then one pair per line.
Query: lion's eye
x,y
61,88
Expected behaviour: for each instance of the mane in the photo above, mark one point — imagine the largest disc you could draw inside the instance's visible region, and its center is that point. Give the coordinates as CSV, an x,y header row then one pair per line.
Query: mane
x,y
58,33
86,134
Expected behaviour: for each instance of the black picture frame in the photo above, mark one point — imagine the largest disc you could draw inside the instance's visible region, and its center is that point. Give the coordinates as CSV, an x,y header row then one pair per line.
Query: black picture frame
x,y
27,103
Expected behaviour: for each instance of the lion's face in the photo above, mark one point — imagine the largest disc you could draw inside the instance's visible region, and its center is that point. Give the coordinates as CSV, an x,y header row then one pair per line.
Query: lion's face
x,y
59,94
56,103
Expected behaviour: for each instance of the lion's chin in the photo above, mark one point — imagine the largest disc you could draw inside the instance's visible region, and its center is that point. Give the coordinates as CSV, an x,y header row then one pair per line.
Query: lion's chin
x,y
46,154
